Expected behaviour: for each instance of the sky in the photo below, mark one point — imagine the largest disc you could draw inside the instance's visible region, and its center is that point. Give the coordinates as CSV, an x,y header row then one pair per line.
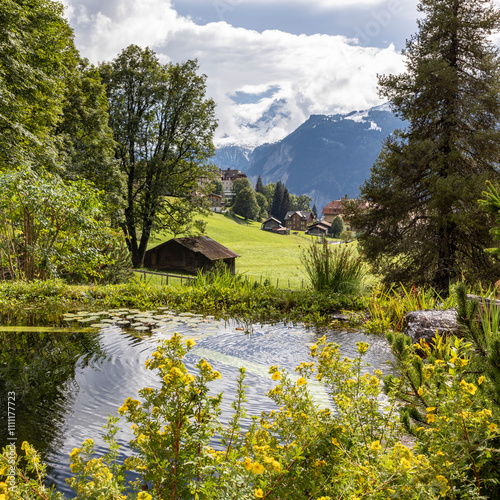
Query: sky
x,y
270,64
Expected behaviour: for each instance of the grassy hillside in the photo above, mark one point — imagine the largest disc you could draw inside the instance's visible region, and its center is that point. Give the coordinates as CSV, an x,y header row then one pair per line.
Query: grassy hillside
x,y
262,254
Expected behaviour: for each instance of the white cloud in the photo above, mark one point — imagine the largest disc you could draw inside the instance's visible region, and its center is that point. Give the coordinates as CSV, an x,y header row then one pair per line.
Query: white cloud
x,y
310,4
319,74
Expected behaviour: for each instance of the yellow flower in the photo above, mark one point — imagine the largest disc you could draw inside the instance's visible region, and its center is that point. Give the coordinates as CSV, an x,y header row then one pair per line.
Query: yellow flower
x,y
362,347
480,380
443,484
431,418
216,375
376,446
259,493
276,376
492,427
420,391
189,378
141,438
190,343
257,468
431,408
276,466
144,496
405,463
301,381
374,381
470,388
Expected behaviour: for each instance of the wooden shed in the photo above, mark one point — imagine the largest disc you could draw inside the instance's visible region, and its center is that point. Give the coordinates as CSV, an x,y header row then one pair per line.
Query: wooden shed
x,y
189,254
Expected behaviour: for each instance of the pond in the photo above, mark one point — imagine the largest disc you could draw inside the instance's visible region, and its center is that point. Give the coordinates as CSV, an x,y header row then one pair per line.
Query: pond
x,y
67,381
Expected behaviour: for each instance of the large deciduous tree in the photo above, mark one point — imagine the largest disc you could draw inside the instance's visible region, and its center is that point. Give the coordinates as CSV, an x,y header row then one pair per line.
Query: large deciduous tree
x,y
164,126
245,203
36,55
423,224
85,138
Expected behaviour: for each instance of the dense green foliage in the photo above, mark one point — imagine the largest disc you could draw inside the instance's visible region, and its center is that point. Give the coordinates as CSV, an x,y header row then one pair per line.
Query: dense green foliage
x,y
163,124
337,227
36,56
423,224
245,204
53,229
242,299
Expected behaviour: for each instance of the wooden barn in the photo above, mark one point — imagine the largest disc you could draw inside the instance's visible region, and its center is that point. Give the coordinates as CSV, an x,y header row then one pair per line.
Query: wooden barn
x,y
189,254
319,228
271,224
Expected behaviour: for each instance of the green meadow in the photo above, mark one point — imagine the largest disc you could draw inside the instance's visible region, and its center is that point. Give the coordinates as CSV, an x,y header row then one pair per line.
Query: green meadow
x,y
263,255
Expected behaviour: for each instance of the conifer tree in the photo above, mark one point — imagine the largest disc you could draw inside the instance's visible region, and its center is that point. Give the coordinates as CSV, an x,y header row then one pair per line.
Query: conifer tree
x,y
423,224
259,187
278,201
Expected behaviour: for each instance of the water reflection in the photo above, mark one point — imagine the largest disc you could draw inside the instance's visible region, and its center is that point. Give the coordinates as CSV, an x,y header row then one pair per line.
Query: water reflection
x,y
88,376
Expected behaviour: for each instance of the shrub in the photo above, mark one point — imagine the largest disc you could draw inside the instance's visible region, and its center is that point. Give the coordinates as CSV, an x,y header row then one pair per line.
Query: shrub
x,y
334,268
352,450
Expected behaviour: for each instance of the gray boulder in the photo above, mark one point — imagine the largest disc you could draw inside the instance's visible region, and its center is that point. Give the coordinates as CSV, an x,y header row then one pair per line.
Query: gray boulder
x,y
426,323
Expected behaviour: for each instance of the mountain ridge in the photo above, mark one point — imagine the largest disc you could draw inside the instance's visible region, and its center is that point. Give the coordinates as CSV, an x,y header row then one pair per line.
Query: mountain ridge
x,y
326,157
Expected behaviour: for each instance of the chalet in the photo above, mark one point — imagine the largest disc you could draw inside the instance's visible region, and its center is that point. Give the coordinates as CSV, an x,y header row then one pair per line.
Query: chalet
x,y
189,254
332,210
335,208
271,224
298,221
216,202
319,228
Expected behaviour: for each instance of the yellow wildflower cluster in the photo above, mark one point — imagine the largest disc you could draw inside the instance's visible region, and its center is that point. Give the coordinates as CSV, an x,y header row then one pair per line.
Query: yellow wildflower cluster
x,y
129,406
362,347
470,388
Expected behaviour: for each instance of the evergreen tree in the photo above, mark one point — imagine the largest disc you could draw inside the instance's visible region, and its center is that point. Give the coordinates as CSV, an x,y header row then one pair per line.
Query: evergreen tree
x,y
423,223
285,203
315,211
278,201
259,187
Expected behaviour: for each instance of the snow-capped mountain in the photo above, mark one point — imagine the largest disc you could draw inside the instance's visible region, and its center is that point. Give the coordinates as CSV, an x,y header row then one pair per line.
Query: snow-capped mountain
x,y
327,157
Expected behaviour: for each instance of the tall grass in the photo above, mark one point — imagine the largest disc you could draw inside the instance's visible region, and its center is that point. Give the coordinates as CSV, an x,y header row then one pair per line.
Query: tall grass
x,y
335,268
387,307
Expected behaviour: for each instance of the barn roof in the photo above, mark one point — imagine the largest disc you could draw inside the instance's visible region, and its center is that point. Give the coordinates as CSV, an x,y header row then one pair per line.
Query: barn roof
x,y
204,245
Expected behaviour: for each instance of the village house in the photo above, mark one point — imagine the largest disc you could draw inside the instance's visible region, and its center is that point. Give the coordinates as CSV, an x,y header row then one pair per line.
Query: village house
x,y
189,254
319,228
298,221
273,225
216,201
227,178
332,210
